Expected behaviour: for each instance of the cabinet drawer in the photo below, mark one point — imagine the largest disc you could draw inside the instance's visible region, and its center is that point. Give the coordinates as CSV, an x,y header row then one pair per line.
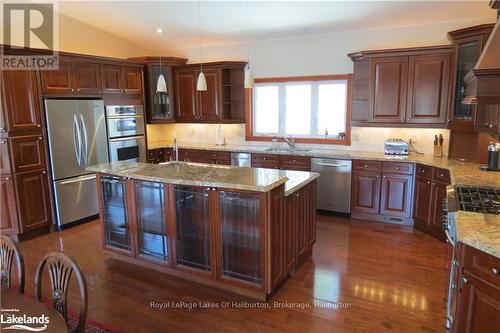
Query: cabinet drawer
x,y
190,155
216,155
424,171
27,153
442,175
363,165
482,265
399,168
301,163
152,153
265,161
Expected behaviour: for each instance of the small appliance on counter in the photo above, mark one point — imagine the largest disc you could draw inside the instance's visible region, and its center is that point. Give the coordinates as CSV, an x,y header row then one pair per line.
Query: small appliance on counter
x,y
396,147
493,157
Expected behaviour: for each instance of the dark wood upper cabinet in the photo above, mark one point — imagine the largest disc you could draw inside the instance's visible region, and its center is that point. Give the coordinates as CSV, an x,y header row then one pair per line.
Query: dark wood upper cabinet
x,y
186,93
209,100
396,195
409,87
366,192
61,81
21,108
388,89
8,215
185,90
468,44
87,77
132,80
112,81
33,200
222,102
428,89
160,105
27,153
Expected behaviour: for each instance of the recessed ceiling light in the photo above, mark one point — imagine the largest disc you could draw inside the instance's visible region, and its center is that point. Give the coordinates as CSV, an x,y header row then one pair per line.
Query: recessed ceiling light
x,y
159,30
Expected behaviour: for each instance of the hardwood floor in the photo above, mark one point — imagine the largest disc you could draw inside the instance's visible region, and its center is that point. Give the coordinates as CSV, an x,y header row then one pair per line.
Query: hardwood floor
x,y
387,278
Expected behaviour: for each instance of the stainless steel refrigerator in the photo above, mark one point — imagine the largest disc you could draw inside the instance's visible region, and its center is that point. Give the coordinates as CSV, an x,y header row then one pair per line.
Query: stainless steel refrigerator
x,y
77,138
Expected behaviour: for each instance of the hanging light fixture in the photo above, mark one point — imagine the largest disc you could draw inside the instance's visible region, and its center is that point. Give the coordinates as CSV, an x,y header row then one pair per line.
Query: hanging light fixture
x,y
201,84
161,84
248,81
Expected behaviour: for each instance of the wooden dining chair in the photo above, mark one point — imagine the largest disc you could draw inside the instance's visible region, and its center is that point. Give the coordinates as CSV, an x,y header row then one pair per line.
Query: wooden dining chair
x,y
9,251
60,267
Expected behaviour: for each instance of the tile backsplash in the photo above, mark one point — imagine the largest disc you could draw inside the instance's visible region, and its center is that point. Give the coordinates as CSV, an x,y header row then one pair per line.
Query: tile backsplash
x,y
362,138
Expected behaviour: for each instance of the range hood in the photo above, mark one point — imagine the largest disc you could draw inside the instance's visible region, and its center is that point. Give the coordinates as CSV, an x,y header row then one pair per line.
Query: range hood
x,y
483,81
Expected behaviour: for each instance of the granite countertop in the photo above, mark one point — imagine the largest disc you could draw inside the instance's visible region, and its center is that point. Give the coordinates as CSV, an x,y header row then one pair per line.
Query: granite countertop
x,y
199,174
462,173
481,231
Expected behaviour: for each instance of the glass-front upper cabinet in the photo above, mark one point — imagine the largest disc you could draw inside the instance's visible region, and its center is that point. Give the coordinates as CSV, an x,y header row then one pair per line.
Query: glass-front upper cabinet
x,y
115,217
161,101
467,55
193,241
240,236
152,237
468,43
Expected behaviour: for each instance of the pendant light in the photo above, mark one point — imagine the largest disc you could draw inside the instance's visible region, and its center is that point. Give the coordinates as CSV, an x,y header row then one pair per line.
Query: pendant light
x,y
161,84
201,84
248,81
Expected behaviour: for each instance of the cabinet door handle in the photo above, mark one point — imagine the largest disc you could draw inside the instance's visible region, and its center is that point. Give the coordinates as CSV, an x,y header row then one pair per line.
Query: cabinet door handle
x,y
433,184
72,89
366,165
7,178
428,182
397,168
2,129
38,125
40,138
126,90
77,89
465,280
378,176
3,142
494,271
44,172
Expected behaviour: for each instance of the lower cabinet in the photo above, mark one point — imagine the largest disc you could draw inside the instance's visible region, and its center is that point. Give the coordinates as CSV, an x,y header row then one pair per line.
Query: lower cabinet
x,y
382,191
8,221
152,235
193,235
478,293
366,192
221,236
283,162
115,214
33,200
429,195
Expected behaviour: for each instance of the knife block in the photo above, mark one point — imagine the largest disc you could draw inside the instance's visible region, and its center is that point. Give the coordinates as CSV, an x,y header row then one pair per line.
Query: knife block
x,y
438,151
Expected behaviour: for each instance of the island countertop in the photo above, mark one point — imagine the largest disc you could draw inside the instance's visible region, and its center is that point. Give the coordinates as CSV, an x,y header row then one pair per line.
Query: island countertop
x,y
199,174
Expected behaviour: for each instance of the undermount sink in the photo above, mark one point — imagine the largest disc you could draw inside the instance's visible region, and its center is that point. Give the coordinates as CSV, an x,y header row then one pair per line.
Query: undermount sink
x,y
287,149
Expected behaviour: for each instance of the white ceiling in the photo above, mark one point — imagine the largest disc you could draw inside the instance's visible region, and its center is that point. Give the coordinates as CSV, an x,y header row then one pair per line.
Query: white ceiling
x,y
225,22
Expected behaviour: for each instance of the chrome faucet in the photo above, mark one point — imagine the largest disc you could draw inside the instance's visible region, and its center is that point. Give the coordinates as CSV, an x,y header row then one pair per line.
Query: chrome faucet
x,y
176,150
290,141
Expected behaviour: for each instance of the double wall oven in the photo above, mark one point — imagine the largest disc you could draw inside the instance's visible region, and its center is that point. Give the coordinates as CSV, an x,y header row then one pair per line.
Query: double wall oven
x,y
126,133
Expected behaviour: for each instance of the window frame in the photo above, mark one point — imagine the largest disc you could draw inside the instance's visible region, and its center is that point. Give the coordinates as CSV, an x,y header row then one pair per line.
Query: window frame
x,y
249,134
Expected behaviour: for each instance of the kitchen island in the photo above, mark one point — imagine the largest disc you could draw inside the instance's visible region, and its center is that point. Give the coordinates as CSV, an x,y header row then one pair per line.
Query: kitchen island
x,y
239,229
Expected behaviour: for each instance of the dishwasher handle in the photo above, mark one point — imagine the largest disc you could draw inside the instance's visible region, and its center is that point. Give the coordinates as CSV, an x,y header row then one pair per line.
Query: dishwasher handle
x,y
331,165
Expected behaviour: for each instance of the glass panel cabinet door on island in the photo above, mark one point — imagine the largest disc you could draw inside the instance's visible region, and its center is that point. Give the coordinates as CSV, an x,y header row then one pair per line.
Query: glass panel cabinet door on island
x,y
193,241
115,219
151,224
240,236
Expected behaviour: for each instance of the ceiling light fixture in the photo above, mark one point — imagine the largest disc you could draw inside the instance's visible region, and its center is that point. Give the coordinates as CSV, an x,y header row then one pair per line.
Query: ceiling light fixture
x,y
248,81
161,84
201,84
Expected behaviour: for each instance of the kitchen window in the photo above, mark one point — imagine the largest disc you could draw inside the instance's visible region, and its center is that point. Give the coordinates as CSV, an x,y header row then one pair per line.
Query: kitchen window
x,y
311,109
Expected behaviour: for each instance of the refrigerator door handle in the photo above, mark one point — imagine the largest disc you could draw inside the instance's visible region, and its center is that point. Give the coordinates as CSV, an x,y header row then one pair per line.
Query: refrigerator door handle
x,y
79,179
85,148
77,140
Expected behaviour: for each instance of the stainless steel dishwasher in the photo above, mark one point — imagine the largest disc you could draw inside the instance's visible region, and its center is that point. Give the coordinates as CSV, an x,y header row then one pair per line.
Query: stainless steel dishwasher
x,y
334,185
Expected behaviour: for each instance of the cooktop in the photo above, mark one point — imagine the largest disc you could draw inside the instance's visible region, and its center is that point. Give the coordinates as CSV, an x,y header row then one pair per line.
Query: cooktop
x,y
479,199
